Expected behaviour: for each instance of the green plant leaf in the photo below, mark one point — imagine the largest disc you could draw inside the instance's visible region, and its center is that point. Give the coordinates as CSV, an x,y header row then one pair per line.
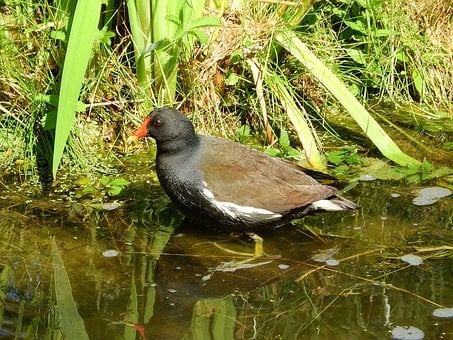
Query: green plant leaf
x,y
105,36
284,139
367,123
357,26
336,156
206,21
232,79
174,19
448,145
382,33
83,33
401,55
243,134
58,35
105,180
71,323
202,36
358,56
156,45
419,81
121,182
114,190
273,152
297,116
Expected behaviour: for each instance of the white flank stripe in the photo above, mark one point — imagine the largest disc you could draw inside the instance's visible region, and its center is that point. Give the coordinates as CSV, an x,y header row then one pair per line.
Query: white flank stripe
x,y
234,210
326,205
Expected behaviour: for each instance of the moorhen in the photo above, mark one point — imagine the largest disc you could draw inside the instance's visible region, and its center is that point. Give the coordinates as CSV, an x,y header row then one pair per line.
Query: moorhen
x,y
229,186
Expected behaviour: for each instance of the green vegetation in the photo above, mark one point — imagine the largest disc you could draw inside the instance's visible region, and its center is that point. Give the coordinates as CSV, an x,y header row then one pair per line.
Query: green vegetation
x,y
304,77
352,87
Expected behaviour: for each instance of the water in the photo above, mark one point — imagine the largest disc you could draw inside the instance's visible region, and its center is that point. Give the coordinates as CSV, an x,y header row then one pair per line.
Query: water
x,y
173,280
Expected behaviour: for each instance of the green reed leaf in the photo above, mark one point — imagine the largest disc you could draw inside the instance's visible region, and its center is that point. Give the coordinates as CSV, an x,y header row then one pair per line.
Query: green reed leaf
x,y
84,30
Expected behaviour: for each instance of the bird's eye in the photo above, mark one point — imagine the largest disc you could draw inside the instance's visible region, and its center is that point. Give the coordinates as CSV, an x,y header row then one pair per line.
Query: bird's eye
x,y
157,122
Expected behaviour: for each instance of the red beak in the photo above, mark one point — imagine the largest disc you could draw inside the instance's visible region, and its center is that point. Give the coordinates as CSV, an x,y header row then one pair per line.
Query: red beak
x,y
140,132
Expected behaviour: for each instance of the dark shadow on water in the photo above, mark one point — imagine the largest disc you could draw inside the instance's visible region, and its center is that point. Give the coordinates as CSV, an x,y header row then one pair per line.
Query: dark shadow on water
x,y
190,269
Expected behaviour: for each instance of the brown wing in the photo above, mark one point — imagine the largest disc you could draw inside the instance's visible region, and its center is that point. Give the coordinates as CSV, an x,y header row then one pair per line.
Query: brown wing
x,y
245,176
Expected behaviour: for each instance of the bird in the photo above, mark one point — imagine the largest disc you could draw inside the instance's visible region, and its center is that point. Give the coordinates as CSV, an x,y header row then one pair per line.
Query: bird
x,y
229,186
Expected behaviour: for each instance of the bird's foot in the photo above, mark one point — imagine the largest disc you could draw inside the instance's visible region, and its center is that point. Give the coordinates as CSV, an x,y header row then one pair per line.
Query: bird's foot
x,y
258,249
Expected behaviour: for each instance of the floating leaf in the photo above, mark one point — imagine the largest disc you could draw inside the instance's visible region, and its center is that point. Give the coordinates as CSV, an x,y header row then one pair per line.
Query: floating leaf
x,y
367,178
427,196
434,192
110,253
110,206
105,180
407,333
332,262
444,313
413,260
325,254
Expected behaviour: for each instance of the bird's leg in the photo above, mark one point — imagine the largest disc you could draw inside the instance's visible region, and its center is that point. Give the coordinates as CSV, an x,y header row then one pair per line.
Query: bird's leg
x,y
259,247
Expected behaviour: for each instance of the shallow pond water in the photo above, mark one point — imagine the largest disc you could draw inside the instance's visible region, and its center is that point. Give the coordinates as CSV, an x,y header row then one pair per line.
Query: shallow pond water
x,y
137,270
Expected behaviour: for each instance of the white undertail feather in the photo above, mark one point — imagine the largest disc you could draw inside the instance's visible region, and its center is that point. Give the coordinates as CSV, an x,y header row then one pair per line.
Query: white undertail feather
x,y
325,205
334,204
235,210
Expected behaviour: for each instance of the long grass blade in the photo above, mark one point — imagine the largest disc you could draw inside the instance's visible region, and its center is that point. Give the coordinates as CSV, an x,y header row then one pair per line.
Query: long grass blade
x,y
297,117
83,32
372,129
258,79
71,321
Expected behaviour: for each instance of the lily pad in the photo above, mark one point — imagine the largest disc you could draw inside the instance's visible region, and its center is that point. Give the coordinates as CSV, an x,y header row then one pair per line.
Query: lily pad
x,y
444,313
110,253
325,255
407,333
435,192
420,201
427,196
110,206
413,260
367,178
332,262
